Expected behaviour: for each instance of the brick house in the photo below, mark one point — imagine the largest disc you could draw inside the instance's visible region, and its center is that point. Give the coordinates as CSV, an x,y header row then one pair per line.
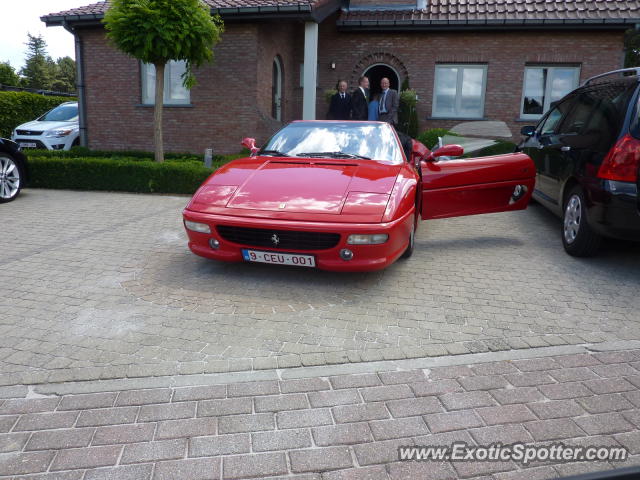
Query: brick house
x,y
467,60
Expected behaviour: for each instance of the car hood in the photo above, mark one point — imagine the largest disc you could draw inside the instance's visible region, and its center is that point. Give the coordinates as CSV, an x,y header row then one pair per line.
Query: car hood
x,y
295,186
35,125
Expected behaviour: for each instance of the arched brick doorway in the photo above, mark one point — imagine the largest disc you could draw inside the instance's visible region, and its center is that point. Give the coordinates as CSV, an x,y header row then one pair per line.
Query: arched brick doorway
x,y
377,72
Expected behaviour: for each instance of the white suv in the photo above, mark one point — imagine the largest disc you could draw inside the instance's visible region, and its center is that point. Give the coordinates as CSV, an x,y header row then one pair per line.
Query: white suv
x,y
58,129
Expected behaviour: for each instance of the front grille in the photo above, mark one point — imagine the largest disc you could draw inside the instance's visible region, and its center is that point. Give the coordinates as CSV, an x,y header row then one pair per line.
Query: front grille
x,y
28,132
286,239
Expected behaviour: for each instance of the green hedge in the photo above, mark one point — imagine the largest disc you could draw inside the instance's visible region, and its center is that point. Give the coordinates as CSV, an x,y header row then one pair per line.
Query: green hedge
x,y
429,138
116,174
20,107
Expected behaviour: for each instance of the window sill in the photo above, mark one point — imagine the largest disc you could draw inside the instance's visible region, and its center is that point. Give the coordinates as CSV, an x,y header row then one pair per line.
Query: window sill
x,y
460,119
168,105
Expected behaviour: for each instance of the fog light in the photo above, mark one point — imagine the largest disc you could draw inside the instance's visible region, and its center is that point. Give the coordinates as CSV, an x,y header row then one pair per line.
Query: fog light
x,y
197,227
346,254
359,239
213,243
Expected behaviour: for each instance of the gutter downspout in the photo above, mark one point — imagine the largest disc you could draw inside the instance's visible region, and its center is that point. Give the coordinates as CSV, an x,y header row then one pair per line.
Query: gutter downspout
x,y
82,105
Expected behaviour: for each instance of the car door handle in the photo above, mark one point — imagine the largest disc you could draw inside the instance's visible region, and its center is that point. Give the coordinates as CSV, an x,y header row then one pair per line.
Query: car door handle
x,y
565,148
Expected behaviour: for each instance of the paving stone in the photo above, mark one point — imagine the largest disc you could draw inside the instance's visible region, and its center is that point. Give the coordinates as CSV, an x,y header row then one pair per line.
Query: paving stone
x,y
535,364
398,428
430,470
538,473
345,434
23,463
269,387
516,413
360,413
193,469
378,452
435,387
304,385
410,407
199,393
123,472
632,416
464,400
509,396
219,445
617,357
529,379
377,472
553,429
612,402
154,451
90,457
503,434
68,475
398,377
387,392
87,401
230,406
277,403
609,385
560,391
630,440
573,374
169,411
44,421
455,371
633,397
28,405
255,465
331,398
60,439
189,427
460,419
143,397
577,360
355,381
107,416
557,409
7,422
320,459
304,418
604,423
13,442
483,382
475,469
281,440
494,368
109,435
246,423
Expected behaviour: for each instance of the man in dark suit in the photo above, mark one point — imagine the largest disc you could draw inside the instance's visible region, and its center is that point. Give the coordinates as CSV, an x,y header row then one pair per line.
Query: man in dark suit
x,y
360,100
340,107
389,104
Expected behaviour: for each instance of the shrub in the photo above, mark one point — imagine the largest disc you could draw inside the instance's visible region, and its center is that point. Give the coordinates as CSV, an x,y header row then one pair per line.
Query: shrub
x,y
430,137
328,94
408,113
20,107
499,148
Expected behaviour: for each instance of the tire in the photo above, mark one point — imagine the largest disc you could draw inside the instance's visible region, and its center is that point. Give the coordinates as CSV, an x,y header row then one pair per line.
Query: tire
x,y
11,178
409,251
578,238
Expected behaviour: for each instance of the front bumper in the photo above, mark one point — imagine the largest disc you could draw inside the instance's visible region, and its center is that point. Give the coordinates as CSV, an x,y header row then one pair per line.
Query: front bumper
x,y
365,258
41,142
614,210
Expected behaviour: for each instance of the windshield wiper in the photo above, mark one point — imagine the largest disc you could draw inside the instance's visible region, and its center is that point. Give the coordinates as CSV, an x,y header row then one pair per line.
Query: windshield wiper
x,y
272,153
332,155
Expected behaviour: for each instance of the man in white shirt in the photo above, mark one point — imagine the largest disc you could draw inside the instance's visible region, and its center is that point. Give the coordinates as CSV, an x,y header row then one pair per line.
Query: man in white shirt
x,y
360,100
389,103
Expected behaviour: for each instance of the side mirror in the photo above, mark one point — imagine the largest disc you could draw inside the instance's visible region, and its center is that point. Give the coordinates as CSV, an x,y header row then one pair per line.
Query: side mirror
x,y
419,151
250,143
445,151
528,131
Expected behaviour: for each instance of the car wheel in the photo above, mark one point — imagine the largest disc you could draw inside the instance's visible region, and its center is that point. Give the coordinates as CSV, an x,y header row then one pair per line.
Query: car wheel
x,y
578,239
409,251
10,178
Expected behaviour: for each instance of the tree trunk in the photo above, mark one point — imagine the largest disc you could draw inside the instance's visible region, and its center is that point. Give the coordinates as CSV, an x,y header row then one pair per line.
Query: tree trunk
x,y
157,113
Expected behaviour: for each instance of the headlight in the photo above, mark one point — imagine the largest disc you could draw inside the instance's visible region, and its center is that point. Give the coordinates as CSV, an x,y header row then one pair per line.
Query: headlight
x,y
376,239
197,227
60,132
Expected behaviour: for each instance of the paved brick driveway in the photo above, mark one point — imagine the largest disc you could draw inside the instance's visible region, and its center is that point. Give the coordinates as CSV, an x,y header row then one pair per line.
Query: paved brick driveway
x,y
101,285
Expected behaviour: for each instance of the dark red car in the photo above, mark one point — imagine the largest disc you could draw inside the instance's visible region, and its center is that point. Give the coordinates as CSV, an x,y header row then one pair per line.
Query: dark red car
x,y
344,196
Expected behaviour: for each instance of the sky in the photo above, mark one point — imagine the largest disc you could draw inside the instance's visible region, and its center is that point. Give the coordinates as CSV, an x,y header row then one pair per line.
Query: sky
x,y
20,17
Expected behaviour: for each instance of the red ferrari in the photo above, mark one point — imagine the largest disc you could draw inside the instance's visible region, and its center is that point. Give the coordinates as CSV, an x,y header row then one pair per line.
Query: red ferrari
x,y
343,196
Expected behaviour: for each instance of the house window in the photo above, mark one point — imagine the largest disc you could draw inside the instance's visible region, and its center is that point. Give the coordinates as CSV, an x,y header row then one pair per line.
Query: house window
x,y
459,91
174,91
544,85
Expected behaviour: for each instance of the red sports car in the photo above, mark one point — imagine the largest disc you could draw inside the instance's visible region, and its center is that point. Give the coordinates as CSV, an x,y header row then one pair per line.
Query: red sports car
x,y
345,196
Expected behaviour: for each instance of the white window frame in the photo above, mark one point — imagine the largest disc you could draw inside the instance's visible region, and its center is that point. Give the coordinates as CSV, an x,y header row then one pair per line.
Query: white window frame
x,y
547,88
148,94
460,67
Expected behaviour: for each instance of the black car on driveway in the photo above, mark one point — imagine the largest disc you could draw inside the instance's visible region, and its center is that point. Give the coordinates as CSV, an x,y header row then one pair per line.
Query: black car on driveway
x,y
586,149
13,170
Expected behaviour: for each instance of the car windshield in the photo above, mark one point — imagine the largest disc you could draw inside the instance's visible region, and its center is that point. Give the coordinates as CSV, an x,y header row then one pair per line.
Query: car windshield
x,y
364,140
62,113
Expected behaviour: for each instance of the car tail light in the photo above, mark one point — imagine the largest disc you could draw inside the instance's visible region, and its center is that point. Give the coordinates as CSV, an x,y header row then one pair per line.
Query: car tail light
x,y
622,161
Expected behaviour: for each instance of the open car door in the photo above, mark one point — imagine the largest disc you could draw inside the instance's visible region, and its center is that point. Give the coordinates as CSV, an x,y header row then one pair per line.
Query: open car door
x,y
455,188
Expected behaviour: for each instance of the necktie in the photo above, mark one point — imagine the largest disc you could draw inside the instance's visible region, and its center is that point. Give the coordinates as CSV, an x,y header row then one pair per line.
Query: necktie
x,y
342,95
383,109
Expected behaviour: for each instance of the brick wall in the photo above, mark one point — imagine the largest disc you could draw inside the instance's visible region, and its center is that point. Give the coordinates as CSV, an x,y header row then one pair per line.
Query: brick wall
x,y
505,53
